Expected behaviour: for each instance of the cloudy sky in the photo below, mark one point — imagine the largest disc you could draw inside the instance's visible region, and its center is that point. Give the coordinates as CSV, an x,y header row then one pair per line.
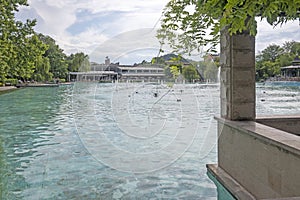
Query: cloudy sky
x,y
122,30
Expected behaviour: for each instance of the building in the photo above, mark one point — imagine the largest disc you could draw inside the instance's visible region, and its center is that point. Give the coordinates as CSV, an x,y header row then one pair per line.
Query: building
x,y
115,71
292,72
145,72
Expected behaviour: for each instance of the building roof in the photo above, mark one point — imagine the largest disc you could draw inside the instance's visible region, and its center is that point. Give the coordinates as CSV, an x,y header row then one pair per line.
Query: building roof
x,y
93,73
296,60
295,64
291,67
141,68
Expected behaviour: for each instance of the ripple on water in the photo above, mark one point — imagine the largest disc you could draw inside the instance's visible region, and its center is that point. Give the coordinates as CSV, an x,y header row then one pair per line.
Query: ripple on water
x,y
42,154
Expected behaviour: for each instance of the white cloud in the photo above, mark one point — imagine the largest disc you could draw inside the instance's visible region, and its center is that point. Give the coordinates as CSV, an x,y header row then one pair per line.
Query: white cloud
x,y
86,41
267,34
55,16
123,46
84,25
125,6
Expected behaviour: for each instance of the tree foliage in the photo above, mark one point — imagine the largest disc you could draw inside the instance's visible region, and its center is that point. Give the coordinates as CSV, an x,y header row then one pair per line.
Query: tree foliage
x,y
77,62
273,57
42,71
26,55
174,69
187,25
211,72
56,56
177,66
271,53
190,73
60,63
18,45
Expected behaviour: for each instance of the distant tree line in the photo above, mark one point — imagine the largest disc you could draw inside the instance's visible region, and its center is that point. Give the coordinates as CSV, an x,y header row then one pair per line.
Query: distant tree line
x,y
268,63
209,67
176,65
270,60
26,55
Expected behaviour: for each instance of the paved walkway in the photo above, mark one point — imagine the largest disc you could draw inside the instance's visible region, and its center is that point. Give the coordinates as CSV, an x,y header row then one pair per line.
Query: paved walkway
x,y
7,88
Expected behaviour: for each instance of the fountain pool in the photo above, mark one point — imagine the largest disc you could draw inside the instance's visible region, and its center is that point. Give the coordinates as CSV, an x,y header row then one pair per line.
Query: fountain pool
x,y
117,141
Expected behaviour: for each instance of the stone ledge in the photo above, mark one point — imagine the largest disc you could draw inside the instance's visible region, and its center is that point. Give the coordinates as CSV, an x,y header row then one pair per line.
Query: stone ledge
x,y
7,88
237,191
289,198
266,134
290,124
279,117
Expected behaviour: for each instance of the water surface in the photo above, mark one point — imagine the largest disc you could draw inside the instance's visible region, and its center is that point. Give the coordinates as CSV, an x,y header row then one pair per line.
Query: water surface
x,y
107,141
51,147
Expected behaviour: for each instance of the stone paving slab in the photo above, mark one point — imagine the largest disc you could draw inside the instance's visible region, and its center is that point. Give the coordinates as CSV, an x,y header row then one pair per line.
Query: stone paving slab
x,y
7,88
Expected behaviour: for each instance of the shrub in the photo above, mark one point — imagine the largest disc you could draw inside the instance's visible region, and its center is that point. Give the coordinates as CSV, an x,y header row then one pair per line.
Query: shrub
x,y
11,81
62,80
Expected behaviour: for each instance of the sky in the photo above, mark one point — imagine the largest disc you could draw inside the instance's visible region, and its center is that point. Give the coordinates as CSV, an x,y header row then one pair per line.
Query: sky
x,y
122,30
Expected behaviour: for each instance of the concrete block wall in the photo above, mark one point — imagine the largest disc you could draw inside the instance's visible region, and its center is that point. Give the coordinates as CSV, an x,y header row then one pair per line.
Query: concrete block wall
x,y
264,160
237,76
289,124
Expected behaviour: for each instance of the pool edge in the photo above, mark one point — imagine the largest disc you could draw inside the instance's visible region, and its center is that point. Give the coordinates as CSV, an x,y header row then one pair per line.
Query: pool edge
x,y
236,190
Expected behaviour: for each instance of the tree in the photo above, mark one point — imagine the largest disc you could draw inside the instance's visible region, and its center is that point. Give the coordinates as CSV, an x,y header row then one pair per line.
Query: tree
x,y
158,60
190,73
211,72
26,55
271,53
168,73
272,58
85,65
78,62
285,59
42,71
296,49
15,38
292,48
267,69
56,56
187,25
174,71
201,66
28,51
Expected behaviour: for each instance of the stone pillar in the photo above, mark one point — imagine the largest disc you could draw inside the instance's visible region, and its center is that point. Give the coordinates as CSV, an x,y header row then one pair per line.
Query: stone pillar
x,y
237,80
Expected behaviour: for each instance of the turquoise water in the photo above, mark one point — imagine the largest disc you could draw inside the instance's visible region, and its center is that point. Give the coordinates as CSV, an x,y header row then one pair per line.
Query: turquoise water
x,y
107,141
51,142
223,193
278,98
